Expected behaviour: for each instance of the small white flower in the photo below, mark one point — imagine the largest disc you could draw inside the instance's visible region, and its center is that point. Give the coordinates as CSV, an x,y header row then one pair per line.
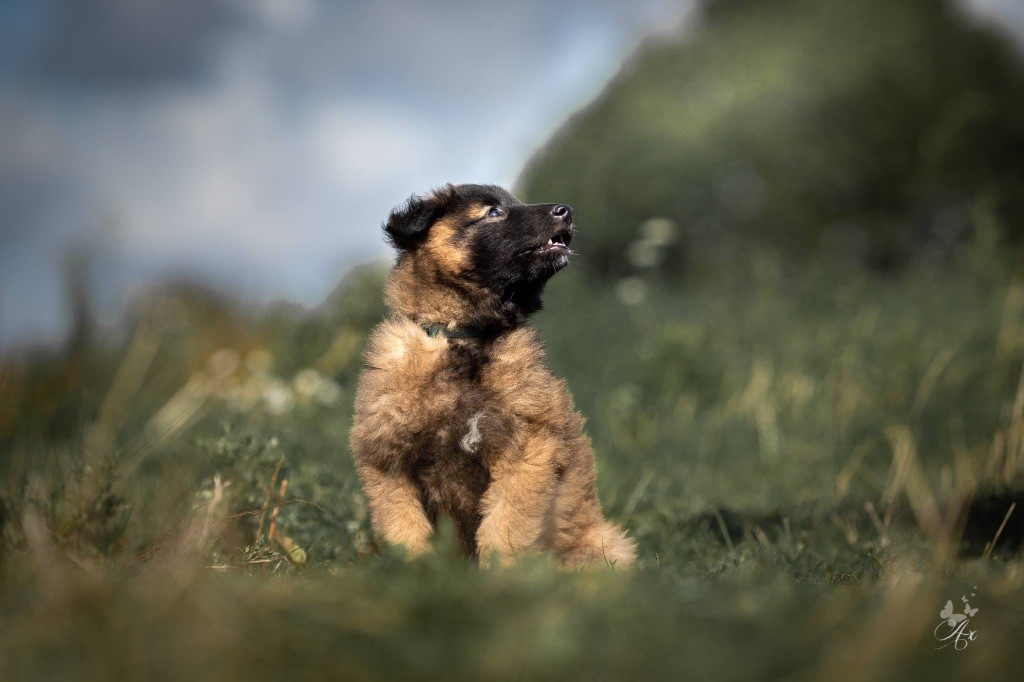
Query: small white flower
x,y
659,231
307,382
328,392
631,290
278,397
224,363
644,254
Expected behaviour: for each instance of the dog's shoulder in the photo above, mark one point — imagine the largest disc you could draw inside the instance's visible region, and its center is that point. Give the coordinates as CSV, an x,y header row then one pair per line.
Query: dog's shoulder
x,y
518,372
396,395
400,345
519,350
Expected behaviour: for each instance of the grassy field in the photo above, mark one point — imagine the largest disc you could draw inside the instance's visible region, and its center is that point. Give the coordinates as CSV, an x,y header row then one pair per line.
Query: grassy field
x,y
812,464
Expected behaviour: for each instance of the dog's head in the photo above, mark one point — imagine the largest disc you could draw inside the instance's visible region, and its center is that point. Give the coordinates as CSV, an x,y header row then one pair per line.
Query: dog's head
x,y
482,241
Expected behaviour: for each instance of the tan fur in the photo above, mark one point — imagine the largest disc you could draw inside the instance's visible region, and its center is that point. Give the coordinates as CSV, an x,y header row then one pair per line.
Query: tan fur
x,y
406,294
443,249
500,448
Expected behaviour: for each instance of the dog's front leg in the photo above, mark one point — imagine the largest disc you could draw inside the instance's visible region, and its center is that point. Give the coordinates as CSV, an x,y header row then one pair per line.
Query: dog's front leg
x,y
516,504
396,512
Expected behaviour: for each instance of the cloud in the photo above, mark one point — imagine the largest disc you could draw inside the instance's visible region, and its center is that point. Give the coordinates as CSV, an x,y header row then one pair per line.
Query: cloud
x,y
223,135
128,43
1008,14
258,144
362,148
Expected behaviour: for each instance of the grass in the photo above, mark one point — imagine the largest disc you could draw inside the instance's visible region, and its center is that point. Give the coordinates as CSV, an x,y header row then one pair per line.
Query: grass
x,y
812,463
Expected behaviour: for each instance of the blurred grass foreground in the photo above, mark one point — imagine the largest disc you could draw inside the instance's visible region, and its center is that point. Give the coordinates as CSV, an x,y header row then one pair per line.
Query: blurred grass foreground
x,y
796,327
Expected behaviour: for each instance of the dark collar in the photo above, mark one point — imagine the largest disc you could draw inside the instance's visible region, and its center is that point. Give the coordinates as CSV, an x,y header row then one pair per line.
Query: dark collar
x,y
434,330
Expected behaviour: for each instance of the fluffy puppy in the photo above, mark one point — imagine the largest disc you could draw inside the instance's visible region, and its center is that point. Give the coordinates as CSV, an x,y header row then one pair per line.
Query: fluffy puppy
x,y
456,412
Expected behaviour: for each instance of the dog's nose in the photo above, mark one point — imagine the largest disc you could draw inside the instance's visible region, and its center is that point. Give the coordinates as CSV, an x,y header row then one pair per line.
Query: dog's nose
x,y
562,212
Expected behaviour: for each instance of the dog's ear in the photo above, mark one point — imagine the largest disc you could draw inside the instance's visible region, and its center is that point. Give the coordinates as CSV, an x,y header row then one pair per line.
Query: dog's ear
x,y
408,224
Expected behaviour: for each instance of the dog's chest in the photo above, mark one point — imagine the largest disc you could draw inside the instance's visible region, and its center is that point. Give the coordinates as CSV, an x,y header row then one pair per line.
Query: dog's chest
x,y
469,428
461,441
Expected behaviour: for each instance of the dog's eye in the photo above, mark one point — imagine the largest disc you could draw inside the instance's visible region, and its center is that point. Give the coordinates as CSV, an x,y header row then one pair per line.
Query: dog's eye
x,y
496,212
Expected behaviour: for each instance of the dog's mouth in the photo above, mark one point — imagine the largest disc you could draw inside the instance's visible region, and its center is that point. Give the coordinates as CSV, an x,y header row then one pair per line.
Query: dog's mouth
x,y
559,241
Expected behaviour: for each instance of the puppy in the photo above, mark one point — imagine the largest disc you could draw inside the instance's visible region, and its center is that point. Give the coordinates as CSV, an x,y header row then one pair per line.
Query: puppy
x,y
456,412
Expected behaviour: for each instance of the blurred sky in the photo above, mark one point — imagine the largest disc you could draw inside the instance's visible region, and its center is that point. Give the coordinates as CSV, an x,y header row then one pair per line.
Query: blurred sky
x,y
256,145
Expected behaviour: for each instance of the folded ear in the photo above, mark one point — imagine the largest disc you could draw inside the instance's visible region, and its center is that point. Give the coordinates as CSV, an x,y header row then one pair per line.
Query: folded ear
x,y
408,224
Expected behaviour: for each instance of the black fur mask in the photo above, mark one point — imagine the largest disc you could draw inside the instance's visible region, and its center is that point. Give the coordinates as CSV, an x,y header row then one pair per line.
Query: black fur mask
x,y
484,236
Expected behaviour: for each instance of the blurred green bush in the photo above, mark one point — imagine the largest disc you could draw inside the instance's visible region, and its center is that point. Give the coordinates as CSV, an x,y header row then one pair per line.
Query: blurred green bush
x,y
855,132
785,421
